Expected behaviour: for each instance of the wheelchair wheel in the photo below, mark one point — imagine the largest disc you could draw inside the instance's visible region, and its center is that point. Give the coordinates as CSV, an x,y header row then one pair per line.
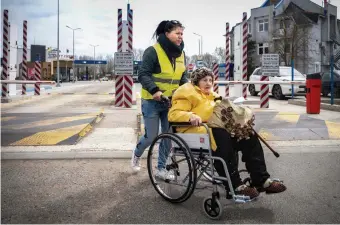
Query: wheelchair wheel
x,y
212,208
180,164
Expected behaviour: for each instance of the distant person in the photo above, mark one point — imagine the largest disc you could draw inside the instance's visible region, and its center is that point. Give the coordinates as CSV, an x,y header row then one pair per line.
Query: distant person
x,y
163,70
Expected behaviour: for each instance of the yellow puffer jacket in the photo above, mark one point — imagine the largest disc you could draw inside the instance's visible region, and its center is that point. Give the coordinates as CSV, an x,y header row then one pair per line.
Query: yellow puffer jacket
x,y
189,99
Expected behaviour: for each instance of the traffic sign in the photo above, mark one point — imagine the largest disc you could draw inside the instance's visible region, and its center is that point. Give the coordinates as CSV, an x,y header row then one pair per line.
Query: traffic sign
x,y
199,63
270,64
123,63
89,62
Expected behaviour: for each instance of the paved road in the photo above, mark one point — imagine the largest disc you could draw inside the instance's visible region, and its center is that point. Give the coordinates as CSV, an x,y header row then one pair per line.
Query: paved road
x,y
57,118
105,191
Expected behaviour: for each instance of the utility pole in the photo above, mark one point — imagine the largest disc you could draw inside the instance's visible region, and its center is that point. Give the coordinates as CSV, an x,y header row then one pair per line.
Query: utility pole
x,y
73,51
94,58
58,72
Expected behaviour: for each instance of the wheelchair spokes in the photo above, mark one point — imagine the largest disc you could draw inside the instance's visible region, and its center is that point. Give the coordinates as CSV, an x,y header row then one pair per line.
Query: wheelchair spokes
x,y
171,168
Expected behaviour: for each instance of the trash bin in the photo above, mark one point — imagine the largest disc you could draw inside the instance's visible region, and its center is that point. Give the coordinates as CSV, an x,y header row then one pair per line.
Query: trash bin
x,y
313,93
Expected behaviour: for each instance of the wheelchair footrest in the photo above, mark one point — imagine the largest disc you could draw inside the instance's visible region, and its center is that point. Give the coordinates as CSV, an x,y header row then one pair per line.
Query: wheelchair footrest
x,y
241,198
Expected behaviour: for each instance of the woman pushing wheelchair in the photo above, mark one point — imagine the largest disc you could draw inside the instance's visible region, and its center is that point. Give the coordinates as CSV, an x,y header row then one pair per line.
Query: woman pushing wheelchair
x,y
195,103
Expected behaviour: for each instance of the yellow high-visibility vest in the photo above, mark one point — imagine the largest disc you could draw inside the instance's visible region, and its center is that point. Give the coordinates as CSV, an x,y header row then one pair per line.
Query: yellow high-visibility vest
x,y
168,79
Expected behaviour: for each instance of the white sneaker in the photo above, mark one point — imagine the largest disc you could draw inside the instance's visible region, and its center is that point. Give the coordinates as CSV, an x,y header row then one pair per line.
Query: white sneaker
x,y
165,174
135,162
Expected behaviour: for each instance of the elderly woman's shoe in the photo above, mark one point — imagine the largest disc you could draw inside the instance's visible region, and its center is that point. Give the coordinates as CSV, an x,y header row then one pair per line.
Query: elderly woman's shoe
x,y
245,190
272,187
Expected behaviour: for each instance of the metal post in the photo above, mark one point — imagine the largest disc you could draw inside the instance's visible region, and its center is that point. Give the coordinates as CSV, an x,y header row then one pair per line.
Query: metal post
x,y
58,75
94,58
332,79
73,79
292,76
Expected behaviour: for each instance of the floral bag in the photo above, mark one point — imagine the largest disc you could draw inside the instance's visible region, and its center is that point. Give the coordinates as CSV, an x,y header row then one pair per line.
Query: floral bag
x,y
237,120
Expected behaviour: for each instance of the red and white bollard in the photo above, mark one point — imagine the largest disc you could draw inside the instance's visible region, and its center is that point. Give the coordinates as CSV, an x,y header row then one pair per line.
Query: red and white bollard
x,y
245,53
215,71
24,57
37,74
264,94
5,55
128,81
227,59
119,81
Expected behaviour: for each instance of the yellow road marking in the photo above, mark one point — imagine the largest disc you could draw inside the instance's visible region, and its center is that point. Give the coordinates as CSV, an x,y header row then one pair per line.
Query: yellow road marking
x,y
288,117
51,137
51,121
333,129
7,118
266,135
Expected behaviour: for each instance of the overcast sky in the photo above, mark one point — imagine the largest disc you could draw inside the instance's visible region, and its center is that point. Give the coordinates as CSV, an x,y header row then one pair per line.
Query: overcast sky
x,y
98,20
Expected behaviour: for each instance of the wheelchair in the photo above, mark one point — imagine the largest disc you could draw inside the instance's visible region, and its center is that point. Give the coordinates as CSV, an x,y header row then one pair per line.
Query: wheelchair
x,y
194,151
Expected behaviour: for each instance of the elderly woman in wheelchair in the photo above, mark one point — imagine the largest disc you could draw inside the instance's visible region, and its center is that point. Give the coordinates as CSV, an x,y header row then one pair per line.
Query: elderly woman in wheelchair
x,y
191,107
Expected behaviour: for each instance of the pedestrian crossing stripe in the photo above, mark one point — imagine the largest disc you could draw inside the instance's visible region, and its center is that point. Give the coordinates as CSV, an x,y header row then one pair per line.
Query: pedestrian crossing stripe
x,y
49,122
333,129
50,137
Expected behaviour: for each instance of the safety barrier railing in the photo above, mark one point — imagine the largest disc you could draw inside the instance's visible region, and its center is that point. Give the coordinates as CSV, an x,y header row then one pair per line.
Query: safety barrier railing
x,y
264,93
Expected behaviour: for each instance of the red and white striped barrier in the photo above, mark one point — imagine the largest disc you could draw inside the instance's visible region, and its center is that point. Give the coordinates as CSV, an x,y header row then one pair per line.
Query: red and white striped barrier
x,y
26,82
128,81
245,53
215,71
5,55
37,75
124,83
119,81
227,59
264,95
24,57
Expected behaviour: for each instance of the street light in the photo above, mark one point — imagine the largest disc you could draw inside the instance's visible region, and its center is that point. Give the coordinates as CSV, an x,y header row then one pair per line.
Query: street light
x,y
94,58
73,29
58,75
200,47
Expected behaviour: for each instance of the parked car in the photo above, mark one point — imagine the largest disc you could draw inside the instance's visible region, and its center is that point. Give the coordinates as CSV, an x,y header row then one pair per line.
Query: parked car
x,y
278,91
326,83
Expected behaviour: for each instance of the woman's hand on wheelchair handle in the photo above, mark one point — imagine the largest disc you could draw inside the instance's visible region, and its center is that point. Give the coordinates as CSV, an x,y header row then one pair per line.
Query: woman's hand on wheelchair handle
x,y
157,96
195,120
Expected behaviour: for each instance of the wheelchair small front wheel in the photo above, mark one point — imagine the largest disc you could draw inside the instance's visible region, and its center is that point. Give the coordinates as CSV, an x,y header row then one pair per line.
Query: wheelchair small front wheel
x,y
212,208
176,180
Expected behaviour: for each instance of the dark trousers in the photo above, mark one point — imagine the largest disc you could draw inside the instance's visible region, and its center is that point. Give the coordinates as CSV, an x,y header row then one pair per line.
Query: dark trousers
x,y
252,155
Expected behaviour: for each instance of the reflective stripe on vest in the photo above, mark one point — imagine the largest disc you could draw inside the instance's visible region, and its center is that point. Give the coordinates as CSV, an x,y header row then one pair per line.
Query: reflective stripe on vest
x,y
168,79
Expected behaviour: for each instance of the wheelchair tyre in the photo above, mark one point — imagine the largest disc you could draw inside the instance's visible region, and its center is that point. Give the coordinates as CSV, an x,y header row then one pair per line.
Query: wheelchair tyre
x,y
212,210
191,166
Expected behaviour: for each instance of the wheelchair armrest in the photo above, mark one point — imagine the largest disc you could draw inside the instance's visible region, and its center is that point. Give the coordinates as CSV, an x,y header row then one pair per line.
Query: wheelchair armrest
x,y
177,124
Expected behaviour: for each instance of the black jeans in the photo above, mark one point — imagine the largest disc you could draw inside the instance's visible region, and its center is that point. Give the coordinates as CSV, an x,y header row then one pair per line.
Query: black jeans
x,y
252,155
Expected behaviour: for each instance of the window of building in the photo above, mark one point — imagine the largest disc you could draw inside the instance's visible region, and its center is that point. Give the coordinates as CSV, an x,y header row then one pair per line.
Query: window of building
x,y
249,28
263,48
263,25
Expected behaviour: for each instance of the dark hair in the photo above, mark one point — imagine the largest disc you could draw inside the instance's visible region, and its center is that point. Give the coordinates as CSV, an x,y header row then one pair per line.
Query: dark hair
x,y
167,26
199,74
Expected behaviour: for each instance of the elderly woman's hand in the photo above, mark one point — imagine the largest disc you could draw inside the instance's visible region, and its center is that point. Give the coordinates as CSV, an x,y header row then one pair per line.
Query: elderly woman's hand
x,y
195,120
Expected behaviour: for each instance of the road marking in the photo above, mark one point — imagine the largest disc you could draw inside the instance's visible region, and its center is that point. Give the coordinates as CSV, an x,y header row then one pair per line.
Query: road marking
x,y
288,117
266,135
7,118
51,121
51,137
333,129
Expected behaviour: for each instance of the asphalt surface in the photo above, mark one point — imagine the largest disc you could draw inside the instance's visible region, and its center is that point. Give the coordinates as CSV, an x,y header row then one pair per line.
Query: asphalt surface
x,y
105,191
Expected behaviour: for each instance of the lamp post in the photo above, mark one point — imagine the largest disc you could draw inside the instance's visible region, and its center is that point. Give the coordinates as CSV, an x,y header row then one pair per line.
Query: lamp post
x,y
94,58
58,72
73,29
201,47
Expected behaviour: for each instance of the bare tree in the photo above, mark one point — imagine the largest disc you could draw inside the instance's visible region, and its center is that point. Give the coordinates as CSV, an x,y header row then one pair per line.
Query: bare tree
x,y
138,54
293,40
220,54
209,59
